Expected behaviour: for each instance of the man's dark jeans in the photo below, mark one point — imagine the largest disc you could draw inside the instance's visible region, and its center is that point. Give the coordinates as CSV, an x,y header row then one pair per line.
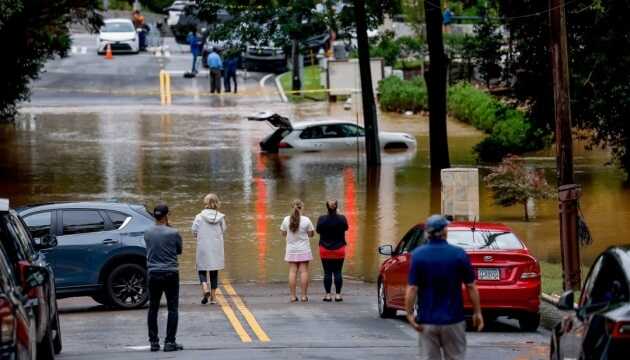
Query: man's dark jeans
x,y
166,282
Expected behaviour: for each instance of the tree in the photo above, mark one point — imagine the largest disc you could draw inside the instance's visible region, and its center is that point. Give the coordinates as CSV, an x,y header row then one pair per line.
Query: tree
x,y
487,49
413,11
513,183
436,85
32,32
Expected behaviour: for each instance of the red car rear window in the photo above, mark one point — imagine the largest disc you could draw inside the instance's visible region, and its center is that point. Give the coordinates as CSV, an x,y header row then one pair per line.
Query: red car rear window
x,y
480,240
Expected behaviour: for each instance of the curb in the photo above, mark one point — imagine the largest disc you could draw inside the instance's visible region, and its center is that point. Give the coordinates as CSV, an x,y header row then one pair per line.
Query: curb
x,y
283,96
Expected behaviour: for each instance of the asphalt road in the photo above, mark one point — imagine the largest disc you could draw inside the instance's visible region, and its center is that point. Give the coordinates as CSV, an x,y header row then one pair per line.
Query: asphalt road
x,y
86,78
265,326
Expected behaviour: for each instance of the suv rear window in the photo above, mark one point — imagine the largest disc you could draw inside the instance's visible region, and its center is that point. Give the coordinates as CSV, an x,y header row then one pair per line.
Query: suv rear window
x,y
117,218
82,221
479,240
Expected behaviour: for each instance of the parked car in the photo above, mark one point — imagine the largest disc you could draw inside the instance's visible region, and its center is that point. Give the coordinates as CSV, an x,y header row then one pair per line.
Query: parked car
x,y
100,249
175,11
323,135
599,327
19,249
120,34
187,21
18,323
507,275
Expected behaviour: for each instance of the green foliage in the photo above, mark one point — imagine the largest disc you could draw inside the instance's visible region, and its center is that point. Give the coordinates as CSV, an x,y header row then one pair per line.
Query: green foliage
x,y
413,12
399,95
156,6
120,5
487,49
513,183
408,64
387,48
32,32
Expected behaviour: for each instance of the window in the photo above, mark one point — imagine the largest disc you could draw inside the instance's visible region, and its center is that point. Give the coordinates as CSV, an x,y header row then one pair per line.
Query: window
x,y
82,221
39,224
491,240
314,132
332,131
350,130
607,285
410,241
24,237
117,218
117,27
11,242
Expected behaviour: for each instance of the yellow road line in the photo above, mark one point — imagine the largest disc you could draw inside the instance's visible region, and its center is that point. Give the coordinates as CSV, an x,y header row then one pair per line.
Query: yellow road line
x,y
231,316
249,317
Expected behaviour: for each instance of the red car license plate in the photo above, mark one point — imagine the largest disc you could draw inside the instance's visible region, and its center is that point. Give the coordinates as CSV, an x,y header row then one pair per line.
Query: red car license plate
x,y
488,274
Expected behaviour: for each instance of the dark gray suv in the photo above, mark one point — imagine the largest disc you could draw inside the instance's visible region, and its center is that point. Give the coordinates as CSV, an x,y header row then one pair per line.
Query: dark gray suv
x,y
100,249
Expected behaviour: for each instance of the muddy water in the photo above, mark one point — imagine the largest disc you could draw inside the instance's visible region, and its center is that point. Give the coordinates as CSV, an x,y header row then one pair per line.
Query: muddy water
x,y
178,158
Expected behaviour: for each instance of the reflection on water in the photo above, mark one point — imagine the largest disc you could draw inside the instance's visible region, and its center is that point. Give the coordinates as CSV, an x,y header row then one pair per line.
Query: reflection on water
x,y
178,159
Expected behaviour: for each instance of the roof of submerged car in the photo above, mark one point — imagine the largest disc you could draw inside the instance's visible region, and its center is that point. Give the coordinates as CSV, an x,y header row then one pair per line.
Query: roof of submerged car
x,y
305,124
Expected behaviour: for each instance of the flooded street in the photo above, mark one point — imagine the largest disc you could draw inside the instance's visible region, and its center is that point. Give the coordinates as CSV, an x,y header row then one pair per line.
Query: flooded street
x,y
178,158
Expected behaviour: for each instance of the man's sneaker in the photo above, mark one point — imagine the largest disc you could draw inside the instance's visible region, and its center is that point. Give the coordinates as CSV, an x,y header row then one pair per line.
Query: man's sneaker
x,y
172,347
155,346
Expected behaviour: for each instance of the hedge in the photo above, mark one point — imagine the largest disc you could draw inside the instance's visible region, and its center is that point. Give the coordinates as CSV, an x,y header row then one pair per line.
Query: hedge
x,y
508,129
399,95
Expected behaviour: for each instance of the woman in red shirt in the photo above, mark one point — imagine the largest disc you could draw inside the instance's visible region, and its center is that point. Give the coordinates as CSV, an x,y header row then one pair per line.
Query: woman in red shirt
x,y
332,248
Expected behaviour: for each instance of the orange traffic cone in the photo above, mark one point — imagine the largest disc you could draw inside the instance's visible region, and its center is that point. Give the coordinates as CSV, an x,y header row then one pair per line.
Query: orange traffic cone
x,y
108,53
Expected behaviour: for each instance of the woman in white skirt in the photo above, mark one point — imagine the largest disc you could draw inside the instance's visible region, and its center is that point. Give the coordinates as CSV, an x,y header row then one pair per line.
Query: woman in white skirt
x,y
298,230
208,228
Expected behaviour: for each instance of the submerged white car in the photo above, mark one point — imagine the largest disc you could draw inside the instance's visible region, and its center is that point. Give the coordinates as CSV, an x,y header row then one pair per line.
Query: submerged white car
x,y
323,135
120,34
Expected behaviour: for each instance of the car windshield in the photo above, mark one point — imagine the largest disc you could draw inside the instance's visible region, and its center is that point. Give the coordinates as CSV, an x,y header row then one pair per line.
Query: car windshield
x,y
480,240
117,27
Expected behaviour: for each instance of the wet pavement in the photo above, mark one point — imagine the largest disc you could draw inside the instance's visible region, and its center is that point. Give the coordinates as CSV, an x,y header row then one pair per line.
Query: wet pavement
x,y
265,326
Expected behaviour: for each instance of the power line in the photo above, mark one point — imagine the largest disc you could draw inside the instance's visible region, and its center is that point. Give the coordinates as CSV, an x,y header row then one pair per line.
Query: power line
x,y
524,16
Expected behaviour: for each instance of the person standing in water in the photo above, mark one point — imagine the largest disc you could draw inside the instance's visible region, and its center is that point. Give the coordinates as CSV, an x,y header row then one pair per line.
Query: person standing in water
x,y
208,228
298,229
332,248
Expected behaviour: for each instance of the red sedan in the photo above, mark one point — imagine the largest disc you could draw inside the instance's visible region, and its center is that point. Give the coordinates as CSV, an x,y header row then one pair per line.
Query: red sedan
x,y
507,275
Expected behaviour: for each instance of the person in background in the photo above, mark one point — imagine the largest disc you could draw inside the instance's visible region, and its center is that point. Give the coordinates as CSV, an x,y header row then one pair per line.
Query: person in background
x,y
447,18
436,275
195,48
164,244
332,248
138,23
298,229
216,66
208,228
230,73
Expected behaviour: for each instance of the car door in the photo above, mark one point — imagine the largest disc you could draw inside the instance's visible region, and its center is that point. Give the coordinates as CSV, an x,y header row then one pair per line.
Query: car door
x,y
312,138
353,136
85,241
400,266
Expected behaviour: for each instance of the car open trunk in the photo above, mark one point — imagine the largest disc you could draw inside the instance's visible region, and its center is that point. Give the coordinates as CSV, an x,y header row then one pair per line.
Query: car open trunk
x,y
283,125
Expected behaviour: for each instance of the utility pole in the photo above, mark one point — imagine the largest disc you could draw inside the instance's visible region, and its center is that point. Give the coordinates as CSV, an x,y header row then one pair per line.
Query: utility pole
x,y
436,86
372,144
296,84
568,191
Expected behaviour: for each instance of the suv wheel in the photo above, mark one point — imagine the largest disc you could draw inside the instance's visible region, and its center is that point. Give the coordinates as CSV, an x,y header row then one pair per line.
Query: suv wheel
x,y
57,344
383,310
126,286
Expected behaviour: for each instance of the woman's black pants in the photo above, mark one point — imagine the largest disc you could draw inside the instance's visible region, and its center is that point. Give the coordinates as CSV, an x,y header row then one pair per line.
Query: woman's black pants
x,y
214,278
332,268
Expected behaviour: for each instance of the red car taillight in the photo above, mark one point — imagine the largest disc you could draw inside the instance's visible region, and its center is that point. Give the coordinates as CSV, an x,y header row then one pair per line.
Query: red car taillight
x,y
619,330
531,271
284,145
7,323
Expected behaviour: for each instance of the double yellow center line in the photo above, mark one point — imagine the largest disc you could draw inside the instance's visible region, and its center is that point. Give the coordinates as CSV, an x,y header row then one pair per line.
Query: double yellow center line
x,y
245,312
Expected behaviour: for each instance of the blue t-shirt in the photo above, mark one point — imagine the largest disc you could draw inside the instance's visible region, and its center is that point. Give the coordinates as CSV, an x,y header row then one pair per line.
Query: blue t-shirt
x,y
438,269
214,61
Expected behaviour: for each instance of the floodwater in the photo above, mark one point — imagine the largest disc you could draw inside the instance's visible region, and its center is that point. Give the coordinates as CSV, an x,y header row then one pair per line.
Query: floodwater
x,y
144,158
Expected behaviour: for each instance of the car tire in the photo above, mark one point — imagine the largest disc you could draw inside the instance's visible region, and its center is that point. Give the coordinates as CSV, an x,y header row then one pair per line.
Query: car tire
x,y
100,298
126,286
46,349
384,311
529,322
57,340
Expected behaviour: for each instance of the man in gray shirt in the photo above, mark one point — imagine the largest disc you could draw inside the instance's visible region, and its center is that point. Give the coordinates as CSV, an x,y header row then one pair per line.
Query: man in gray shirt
x,y
163,245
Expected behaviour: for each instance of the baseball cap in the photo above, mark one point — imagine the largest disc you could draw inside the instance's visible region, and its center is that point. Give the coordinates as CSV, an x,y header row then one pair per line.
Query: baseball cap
x,y
160,210
435,223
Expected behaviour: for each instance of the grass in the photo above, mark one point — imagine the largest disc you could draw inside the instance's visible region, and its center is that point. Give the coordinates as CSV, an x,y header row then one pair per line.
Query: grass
x,y
311,81
552,278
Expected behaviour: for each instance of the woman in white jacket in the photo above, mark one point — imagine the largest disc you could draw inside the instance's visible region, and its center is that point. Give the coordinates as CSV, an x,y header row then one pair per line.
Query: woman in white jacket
x,y
208,228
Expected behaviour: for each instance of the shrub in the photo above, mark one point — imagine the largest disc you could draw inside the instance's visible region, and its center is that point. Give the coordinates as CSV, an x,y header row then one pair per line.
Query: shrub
x,y
157,6
402,95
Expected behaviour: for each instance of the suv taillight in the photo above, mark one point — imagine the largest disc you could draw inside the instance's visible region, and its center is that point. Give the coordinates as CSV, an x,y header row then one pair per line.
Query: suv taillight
x,y
284,145
619,330
7,323
531,271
